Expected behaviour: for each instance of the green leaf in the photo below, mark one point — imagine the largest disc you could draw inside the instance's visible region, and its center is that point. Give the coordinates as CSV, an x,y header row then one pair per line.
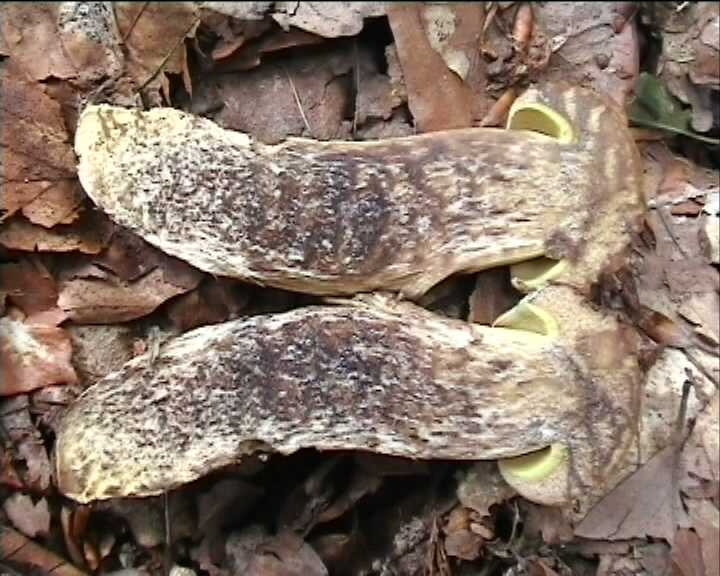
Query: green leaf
x,y
655,107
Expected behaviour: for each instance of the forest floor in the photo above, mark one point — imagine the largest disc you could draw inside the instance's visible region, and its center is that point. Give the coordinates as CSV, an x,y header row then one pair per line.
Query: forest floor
x,y
80,295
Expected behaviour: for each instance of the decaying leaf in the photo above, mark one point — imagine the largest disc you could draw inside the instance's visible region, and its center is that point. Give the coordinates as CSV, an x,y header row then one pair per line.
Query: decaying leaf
x,y
438,97
687,554
326,19
153,35
645,504
33,356
588,47
460,540
705,520
245,51
548,522
88,300
255,553
655,107
19,550
29,285
688,61
492,295
483,487
303,95
30,35
147,518
98,350
701,453
38,161
33,464
31,518
89,235
128,280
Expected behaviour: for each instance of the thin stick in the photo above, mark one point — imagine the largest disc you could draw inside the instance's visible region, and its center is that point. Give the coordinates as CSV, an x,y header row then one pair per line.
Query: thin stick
x,y
167,57
166,503
297,101
357,87
134,22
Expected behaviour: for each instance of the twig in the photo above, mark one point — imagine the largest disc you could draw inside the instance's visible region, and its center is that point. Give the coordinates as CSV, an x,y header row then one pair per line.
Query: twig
x,y
168,540
668,229
677,442
167,57
702,368
357,87
297,101
134,22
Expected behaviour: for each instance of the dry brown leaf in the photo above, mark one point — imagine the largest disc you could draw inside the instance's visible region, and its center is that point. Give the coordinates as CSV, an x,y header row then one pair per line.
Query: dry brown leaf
x,y
48,404
688,62
8,475
29,285
691,276
38,160
254,553
687,555
98,350
67,40
438,98
645,504
497,115
686,208
56,205
232,33
30,34
701,453
710,238
327,19
153,34
703,312
213,505
460,540
33,356
89,235
74,525
30,518
588,48
360,485
303,95
146,517
375,96
33,464
248,56
548,522
483,487
682,180
536,567
93,301
523,26
129,257
661,328
492,295
705,519
18,549
338,551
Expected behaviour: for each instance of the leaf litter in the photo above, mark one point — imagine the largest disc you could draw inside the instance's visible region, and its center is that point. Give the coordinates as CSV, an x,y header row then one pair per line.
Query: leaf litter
x,y
90,296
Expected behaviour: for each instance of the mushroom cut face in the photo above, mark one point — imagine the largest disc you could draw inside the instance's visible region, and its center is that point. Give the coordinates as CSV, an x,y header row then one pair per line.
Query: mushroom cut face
x,y
402,214
554,196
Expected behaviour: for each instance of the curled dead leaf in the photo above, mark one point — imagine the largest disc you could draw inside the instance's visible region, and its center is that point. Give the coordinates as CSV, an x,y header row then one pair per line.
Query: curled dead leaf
x,y
33,356
438,98
38,160
89,235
